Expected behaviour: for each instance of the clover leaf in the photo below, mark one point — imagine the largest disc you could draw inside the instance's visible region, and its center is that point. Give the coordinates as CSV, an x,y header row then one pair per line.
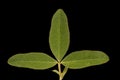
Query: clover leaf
x,y
59,40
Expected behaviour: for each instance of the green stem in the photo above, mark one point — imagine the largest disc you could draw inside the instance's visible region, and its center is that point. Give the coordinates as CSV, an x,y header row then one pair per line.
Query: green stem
x,y
59,69
64,71
61,74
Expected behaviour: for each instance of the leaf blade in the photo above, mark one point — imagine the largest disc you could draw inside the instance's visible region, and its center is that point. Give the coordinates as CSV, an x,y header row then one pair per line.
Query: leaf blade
x,y
33,60
59,35
85,58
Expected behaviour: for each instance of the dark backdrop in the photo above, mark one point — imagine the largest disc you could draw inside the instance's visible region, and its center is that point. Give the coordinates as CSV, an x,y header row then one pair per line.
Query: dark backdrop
x,y
25,28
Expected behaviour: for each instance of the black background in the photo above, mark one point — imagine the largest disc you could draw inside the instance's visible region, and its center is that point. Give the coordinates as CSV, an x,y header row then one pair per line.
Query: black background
x,y
25,28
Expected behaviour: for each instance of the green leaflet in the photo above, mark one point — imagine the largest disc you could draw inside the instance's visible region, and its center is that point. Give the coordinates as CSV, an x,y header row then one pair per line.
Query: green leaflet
x,y
85,58
59,39
34,60
59,35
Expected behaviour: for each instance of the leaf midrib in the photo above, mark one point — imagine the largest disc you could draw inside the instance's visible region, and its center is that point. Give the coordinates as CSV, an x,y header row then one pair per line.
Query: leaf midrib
x,y
81,60
36,61
59,38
